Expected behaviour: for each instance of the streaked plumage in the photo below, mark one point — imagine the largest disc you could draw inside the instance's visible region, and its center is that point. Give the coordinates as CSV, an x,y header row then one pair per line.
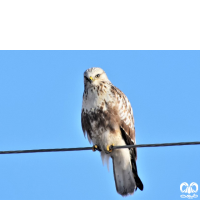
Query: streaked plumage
x,y
107,118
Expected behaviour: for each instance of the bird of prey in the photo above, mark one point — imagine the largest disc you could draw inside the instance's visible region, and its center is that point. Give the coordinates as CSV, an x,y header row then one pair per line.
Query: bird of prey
x,y
107,119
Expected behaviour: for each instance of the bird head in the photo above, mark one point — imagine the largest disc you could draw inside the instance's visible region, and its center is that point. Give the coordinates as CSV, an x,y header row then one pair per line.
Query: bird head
x,y
93,77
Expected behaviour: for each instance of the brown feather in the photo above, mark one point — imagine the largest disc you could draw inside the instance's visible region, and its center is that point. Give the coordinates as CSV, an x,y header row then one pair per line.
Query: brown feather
x,y
128,133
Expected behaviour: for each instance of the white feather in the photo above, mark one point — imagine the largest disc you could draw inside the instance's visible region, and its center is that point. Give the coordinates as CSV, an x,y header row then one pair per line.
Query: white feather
x,y
124,180
105,159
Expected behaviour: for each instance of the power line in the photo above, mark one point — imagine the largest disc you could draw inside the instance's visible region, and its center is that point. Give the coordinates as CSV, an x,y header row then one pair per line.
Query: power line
x,y
91,148
157,145
46,150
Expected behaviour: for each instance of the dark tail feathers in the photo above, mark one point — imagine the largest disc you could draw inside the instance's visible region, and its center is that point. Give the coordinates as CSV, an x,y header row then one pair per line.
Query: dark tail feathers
x,y
139,182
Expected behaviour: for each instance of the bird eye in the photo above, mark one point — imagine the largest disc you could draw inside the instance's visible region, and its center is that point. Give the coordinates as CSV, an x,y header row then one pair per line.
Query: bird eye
x,y
97,76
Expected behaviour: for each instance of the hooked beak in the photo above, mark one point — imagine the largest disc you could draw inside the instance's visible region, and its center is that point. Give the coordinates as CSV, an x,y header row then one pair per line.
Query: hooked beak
x,y
89,79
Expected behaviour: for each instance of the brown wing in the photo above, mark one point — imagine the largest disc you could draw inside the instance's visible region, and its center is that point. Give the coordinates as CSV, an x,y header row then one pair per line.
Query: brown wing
x,y
86,126
127,129
126,116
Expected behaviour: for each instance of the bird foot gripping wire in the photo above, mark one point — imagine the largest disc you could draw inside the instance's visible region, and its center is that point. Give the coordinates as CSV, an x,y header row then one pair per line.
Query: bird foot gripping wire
x,y
95,147
109,148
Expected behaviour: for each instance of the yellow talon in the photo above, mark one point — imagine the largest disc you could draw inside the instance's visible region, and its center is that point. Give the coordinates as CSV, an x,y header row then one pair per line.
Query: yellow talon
x,y
109,149
94,148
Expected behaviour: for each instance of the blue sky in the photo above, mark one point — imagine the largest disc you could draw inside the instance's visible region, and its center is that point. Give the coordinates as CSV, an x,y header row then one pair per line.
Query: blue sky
x,y
40,107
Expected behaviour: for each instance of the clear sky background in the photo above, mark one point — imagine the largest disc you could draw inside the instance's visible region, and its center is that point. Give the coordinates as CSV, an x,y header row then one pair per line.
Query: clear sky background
x,y
40,107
